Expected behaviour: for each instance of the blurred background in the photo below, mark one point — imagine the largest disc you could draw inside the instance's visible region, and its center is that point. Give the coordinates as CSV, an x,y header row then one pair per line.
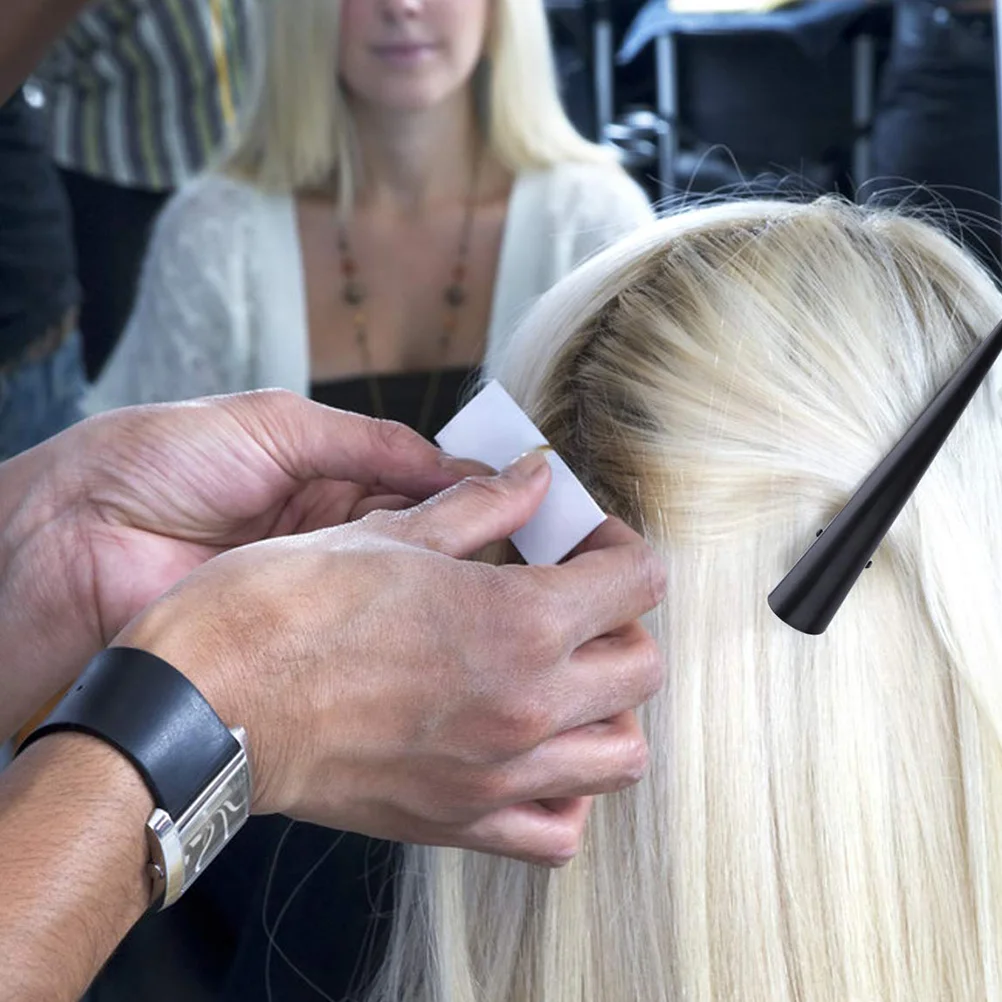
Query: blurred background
x,y
875,99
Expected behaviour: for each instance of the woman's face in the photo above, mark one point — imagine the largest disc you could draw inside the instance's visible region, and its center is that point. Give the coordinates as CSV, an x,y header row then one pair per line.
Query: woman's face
x,y
410,54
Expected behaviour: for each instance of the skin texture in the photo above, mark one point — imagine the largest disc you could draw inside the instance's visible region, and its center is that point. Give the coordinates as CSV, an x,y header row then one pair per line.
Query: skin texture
x,y
29,27
387,687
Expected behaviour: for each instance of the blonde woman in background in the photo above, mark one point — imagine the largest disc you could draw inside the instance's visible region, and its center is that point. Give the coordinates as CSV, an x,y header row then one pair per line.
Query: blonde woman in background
x,y
407,186
822,818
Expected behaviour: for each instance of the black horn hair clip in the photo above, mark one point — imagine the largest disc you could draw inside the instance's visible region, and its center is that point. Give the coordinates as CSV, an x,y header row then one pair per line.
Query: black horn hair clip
x,y
813,591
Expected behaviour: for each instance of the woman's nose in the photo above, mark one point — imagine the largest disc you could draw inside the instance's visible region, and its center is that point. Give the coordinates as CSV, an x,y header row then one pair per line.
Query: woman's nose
x,y
398,9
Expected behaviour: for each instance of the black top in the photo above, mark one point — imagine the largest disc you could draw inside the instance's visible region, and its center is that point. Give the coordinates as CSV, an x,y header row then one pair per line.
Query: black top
x,y
320,916
403,396
37,264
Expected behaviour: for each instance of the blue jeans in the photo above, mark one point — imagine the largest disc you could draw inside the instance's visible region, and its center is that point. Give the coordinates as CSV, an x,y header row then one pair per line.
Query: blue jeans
x,y
40,398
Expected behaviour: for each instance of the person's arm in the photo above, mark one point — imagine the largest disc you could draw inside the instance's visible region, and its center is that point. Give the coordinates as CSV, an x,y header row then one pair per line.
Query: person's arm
x,y
102,519
189,332
386,687
73,860
29,28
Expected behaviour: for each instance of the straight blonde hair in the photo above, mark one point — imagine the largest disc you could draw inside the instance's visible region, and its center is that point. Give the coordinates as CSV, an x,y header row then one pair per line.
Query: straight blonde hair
x,y
822,819
299,134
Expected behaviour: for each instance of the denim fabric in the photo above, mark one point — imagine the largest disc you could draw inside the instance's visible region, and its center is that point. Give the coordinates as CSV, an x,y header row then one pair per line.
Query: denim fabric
x,y
40,398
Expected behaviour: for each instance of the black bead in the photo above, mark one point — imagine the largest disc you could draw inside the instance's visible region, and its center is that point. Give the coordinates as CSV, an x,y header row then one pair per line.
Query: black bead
x,y
354,293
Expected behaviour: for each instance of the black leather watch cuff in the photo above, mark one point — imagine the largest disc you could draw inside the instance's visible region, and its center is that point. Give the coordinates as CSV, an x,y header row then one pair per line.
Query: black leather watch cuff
x,y
151,713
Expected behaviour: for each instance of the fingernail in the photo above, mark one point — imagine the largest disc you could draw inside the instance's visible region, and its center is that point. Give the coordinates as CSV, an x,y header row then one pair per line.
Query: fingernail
x,y
529,465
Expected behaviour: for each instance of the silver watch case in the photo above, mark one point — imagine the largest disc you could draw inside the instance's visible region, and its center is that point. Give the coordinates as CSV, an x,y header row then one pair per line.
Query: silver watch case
x,y
180,850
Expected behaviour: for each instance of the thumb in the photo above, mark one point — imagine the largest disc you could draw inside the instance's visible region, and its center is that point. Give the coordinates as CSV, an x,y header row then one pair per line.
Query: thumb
x,y
479,510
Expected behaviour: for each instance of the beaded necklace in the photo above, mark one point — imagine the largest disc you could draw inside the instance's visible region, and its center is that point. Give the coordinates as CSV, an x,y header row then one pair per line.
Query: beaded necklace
x,y
355,295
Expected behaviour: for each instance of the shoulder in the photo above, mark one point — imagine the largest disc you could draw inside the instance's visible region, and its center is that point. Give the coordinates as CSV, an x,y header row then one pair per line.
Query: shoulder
x,y
211,201
583,194
576,210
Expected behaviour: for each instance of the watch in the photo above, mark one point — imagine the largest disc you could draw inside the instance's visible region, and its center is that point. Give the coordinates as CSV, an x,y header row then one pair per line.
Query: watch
x,y
195,766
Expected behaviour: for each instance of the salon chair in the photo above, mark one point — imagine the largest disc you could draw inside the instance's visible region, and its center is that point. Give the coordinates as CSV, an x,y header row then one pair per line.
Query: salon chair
x,y
788,92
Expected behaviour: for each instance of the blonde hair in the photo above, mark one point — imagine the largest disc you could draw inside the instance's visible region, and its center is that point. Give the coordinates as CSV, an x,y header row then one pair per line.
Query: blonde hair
x,y
822,819
299,132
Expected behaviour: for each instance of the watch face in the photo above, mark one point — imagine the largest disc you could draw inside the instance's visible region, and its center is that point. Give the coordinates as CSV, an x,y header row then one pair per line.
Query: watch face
x,y
215,818
181,851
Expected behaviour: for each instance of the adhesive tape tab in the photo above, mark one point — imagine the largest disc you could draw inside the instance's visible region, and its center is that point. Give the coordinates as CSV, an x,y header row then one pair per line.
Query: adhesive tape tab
x,y
493,429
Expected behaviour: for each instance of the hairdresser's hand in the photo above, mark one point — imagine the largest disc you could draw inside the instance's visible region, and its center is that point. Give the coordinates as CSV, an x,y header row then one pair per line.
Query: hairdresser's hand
x,y
392,689
102,519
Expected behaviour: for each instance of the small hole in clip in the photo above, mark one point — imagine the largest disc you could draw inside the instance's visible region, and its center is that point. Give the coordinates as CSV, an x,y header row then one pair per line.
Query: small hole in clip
x,y
818,533
869,564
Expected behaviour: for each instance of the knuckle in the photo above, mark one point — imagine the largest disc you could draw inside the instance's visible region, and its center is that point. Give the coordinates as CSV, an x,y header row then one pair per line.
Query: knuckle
x,y
380,521
484,492
511,594
430,533
529,619
650,572
450,800
275,400
489,790
652,666
390,436
544,628
522,727
272,413
635,761
282,398
562,845
384,523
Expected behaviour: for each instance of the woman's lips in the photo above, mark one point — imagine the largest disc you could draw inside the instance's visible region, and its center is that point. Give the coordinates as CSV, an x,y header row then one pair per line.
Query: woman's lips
x,y
404,54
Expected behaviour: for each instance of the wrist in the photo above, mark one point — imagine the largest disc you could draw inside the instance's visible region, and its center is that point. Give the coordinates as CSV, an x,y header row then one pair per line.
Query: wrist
x,y
196,646
72,811
117,802
193,765
181,638
198,649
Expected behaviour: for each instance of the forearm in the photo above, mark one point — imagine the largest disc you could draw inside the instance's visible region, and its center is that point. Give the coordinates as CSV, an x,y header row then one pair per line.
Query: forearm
x,y
72,865
29,28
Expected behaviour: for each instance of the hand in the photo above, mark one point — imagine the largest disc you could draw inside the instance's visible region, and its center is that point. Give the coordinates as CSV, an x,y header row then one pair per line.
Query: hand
x,y
111,513
391,689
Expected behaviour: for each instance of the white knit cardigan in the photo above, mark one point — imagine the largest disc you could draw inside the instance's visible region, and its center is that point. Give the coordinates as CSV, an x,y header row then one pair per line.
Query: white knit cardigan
x,y
221,305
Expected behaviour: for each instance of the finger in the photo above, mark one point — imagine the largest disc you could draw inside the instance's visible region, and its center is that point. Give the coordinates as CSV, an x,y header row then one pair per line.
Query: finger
x,y
384,502
598,758
547,834
478,511
612,532
611,674
602,589
309,441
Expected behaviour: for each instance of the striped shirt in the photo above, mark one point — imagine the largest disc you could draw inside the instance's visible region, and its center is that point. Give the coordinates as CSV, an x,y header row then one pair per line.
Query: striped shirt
x,y
142,93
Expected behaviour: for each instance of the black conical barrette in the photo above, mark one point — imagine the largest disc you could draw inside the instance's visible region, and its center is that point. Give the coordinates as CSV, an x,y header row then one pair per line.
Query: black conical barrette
x,y
810,595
